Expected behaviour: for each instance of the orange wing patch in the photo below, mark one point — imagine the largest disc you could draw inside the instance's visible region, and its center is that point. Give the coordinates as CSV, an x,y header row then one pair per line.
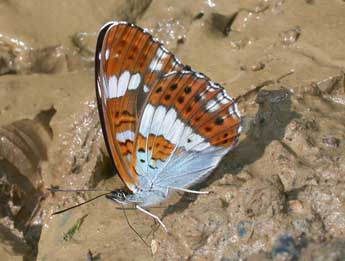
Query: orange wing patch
x,y
121,114
201,104
161,147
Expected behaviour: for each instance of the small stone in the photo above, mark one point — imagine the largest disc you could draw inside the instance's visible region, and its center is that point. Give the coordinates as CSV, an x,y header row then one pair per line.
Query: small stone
x,y
154,246
199,15
181,40
261,7
331,142
285,248
223,23
257,67
296,206
290,36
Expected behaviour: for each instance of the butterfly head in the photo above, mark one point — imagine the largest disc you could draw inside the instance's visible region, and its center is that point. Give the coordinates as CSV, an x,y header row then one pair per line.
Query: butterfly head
x,y
119,196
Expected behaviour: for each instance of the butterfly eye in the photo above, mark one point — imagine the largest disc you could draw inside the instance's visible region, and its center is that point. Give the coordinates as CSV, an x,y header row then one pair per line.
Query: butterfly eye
x,y
118,196
122,196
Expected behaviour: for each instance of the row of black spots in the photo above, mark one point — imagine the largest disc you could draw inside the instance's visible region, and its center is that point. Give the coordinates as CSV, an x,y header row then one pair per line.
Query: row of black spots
x,y
184,95
142,150
162,91
187,92
196,98
187,86
179,88
185,100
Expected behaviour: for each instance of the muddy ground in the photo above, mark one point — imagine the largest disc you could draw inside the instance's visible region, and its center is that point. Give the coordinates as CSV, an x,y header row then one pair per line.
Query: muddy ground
x,y
280,195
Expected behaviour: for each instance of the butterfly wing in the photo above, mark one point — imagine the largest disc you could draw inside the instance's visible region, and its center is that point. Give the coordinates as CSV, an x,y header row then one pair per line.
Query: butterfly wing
x,y
188,124
128,63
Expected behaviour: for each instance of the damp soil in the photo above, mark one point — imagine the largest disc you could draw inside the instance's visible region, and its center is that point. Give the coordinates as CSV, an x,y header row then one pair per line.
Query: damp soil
x,y
279,195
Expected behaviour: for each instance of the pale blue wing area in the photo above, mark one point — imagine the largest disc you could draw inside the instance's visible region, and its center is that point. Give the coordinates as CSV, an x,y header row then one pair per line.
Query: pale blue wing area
x,y
182,171
189,167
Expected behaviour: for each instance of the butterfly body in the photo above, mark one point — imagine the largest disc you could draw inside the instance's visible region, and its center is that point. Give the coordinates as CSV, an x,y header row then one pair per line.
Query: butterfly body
x,y
166,126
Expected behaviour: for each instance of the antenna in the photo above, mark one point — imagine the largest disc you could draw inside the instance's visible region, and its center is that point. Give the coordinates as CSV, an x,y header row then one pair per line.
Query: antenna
x,y
78,190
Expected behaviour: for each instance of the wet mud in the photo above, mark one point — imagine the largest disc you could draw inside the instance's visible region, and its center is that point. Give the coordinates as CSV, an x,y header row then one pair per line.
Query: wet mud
x,y
279,195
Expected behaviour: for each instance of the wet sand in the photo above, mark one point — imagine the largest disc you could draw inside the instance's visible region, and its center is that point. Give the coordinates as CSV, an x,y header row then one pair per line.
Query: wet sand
x,y
279,195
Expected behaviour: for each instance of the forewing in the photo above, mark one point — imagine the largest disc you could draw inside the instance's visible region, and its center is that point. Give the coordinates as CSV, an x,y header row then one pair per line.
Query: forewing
x,y
189,123
128,63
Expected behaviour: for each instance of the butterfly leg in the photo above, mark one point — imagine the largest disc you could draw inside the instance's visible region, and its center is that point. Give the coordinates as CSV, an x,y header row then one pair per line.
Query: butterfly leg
x,y
189,190
153,216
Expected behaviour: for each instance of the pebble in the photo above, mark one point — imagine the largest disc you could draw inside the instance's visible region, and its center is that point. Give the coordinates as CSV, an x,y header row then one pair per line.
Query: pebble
x,y
296,206
154,246
290,36
331,142
257,67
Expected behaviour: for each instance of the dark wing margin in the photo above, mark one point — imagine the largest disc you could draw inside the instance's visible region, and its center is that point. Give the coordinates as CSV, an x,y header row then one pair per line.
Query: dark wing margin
x,y
99,44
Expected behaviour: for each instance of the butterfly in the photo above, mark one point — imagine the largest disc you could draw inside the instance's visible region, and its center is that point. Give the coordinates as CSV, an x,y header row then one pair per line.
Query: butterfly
x,y
166,126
